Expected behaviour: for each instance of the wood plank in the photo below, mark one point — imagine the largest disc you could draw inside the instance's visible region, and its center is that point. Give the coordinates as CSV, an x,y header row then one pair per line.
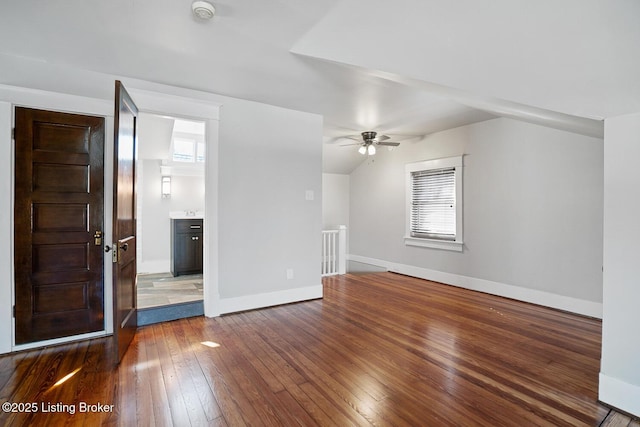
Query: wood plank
x,y
151,371
191,375
234,409
125,397
187,389
616,419
176,403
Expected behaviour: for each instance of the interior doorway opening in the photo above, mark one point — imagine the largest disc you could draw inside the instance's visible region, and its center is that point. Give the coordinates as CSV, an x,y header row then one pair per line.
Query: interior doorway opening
x,y
170,217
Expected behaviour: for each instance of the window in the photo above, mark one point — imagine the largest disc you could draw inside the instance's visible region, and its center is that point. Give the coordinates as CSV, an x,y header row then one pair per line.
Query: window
x,y
434,203
183,150
188,141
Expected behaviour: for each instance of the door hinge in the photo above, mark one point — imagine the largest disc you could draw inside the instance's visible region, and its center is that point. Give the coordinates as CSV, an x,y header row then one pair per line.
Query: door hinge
x,y
14,311
13,133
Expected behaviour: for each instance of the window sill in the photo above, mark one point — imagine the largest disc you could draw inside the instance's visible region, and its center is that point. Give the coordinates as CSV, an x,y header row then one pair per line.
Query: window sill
x,y
433,243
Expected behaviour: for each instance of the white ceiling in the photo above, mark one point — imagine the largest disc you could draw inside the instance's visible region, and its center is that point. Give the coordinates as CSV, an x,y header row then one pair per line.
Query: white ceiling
x,y
402,67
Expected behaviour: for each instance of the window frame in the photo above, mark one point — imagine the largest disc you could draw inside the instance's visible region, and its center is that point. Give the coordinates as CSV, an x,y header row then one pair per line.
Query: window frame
x,y
434,165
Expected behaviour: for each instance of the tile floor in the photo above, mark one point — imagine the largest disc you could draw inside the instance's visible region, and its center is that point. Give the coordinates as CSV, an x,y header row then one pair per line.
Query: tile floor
x,y
163,289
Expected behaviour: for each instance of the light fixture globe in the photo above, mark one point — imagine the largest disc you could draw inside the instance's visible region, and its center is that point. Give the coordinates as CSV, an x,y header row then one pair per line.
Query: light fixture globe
x,y
362,149
371,150
203,9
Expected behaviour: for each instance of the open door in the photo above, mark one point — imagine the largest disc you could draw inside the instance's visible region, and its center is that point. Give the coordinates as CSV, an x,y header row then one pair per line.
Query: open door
x,y
125,315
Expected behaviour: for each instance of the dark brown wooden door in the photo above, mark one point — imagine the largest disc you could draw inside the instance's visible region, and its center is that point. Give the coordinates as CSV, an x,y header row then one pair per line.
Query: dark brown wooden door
x,y
124,221
59,179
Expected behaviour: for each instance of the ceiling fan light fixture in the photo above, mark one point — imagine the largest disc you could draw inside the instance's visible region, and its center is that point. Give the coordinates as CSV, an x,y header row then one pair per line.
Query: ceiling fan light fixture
x,y
371,149
368,135
362,149
203,9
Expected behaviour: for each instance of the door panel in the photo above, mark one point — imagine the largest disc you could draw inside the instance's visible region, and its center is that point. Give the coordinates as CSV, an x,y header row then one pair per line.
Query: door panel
x,y
189,246
59,200
124,222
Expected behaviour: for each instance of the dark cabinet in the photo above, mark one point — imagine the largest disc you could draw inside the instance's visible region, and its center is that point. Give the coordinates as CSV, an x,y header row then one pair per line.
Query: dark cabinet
x,y
186,246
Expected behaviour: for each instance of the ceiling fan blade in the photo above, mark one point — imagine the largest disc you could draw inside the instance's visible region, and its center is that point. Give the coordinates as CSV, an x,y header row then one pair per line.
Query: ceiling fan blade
x,y
389,143
382,137
404,137
354,137
348,145
342,139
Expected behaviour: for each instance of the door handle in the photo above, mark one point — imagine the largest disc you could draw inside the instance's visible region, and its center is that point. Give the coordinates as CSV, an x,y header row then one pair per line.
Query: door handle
x,y
124,247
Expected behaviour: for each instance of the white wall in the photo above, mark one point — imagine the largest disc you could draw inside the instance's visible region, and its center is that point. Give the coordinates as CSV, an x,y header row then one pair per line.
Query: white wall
x,y
532,219
335,200
620,368
154,136
269,158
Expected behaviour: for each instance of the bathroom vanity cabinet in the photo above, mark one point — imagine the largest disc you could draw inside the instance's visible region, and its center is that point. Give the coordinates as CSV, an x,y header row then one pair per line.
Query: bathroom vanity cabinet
x,y
186,246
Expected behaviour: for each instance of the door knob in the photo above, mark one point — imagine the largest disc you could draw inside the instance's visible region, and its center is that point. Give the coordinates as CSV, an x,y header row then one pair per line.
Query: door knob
x,y
124,246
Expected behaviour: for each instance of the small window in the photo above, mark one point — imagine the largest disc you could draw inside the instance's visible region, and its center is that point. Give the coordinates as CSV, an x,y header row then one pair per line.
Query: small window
x,y
183,150
188,141
434,203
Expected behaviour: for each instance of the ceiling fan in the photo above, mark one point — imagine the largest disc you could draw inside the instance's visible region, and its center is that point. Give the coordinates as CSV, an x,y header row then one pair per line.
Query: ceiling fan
x,y
368,141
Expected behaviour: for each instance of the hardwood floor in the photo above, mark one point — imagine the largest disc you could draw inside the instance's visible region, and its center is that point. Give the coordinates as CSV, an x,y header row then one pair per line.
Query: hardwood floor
x,y
379,349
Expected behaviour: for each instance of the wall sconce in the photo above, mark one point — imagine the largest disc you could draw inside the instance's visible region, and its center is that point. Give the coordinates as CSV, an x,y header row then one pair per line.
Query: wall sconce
x,y
166,187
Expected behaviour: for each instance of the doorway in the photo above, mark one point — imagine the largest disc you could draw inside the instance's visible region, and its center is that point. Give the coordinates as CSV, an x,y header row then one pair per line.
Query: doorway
x,y
170,212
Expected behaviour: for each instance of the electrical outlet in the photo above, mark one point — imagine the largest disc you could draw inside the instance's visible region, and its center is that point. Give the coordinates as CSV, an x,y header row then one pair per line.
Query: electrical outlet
x,y
289,273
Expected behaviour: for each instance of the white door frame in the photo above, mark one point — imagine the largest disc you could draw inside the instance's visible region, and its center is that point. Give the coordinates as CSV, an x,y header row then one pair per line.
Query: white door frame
x,y
209,112
11,97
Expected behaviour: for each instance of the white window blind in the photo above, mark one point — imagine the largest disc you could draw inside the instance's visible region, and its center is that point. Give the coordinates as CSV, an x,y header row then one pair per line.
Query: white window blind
x,y
433,204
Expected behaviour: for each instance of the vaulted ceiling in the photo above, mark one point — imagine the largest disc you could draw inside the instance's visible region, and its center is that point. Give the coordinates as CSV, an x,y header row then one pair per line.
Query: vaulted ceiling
x,y
404,67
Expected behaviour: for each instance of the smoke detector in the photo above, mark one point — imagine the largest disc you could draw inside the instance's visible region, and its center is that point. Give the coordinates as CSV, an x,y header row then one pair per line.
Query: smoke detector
x,y
203,9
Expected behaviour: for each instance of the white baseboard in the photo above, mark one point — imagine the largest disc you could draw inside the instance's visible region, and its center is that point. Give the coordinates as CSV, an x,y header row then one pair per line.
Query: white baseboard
x,y
152,267
547,299
251,302
56,341
619,394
